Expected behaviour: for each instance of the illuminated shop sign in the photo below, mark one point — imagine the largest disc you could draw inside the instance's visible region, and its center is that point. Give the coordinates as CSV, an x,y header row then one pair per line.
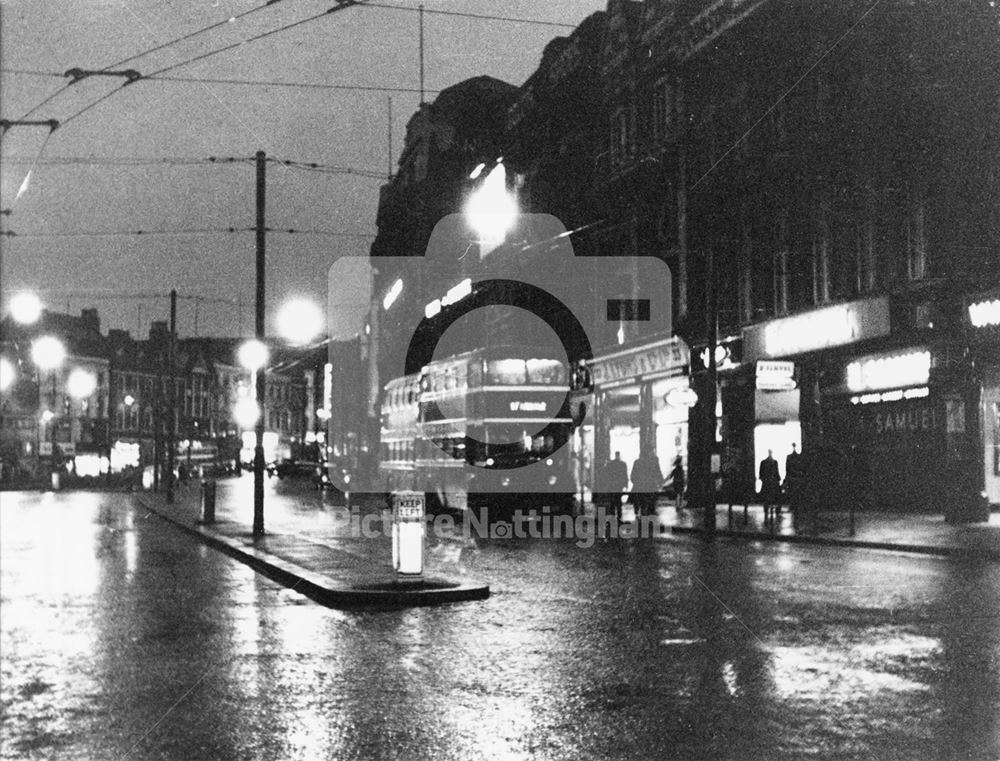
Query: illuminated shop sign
x,y
773,375
985,314
889,371
819,329
662,357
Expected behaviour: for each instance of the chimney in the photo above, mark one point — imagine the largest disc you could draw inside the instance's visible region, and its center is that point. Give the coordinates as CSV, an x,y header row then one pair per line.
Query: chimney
x,y
90,319
158,332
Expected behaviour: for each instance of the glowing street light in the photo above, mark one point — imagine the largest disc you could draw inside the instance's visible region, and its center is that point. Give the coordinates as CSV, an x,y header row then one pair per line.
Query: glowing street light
x,y
48,352
491,210
246,413
253,355
25,308
7,374
300,321
81,383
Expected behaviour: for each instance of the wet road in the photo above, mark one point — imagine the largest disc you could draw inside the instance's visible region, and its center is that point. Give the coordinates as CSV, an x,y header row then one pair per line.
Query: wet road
x,y
124,639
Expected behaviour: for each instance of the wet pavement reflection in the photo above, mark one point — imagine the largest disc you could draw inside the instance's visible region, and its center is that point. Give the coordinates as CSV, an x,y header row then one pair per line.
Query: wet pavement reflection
x,y
123,638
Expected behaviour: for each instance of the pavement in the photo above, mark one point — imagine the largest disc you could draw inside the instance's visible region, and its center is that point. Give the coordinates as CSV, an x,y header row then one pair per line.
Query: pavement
x,y
341,555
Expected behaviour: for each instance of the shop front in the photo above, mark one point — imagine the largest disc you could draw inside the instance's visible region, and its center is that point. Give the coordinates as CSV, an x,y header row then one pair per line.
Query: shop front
x,y
632,400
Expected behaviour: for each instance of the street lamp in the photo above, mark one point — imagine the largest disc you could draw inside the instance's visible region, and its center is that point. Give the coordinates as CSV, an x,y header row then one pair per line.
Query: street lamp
x,y
299,321
25,308
253,355
491,210
48,353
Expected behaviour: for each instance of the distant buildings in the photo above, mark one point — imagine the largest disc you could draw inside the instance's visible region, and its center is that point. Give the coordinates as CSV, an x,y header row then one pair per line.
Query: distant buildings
x,y
108,405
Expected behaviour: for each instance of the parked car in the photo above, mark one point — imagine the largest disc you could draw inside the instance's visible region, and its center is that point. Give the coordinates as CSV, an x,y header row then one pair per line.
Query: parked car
x,y
294,469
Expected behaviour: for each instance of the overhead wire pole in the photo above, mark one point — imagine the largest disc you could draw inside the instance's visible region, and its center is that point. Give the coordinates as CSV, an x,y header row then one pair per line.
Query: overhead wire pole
x,y
258,452
171,396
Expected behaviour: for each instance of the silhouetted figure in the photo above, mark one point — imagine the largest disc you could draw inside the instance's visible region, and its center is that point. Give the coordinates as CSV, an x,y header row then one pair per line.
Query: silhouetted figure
x,y
646,481
770,486
794,477
611,482
678,481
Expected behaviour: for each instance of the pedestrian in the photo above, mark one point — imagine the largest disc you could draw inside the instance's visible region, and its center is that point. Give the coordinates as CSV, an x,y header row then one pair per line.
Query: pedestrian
x,y
770,485
646,481
612,481
677,481
794,473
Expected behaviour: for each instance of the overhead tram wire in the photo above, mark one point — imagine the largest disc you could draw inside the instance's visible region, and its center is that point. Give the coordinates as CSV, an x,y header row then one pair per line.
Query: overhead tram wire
x,y
190,35
136,233
341,6
463,14
301,85
162,46
125,161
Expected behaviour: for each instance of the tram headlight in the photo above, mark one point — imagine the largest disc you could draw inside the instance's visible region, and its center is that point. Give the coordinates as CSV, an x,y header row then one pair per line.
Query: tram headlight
x,y
505,481
548,461
552,480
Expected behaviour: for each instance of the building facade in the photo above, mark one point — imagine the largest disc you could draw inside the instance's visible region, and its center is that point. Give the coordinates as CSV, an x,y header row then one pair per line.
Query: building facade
x,y
818,179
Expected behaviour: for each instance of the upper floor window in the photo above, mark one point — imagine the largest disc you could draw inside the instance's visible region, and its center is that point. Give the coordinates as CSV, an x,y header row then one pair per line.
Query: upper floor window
x,y
622,135
663,109
745,284
864,264
916,244
821,256
782,285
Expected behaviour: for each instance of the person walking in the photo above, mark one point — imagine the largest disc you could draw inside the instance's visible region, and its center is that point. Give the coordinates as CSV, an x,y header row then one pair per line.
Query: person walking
x,y
794,473
612,482
646,481
770,486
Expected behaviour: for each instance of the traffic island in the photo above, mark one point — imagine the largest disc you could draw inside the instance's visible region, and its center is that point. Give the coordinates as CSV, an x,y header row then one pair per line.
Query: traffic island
x,y
358,584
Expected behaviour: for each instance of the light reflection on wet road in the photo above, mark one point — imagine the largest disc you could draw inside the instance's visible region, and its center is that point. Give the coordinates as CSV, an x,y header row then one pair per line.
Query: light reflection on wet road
x,y
122,638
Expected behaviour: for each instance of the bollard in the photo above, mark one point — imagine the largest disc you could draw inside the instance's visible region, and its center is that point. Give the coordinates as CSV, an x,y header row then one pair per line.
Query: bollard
x,y
208,501
408,536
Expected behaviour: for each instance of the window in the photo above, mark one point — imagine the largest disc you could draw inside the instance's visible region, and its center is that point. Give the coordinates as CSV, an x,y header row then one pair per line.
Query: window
x,y
506,372
745,292
865,258
916,245
622,135
546,371
781,282
780,270
821,256
663,109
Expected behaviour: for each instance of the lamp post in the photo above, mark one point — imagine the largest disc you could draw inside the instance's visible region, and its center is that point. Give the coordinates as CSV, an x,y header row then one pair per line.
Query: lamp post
x,y
48,353
253,356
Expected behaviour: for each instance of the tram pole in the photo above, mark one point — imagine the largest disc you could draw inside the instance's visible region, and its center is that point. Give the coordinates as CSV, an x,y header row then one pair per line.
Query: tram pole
x,y
258,452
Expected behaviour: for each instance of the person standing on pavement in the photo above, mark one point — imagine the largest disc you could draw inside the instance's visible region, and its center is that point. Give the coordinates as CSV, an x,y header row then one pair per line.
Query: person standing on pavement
x,y
613,481
646,481
770,485
677,481
793,480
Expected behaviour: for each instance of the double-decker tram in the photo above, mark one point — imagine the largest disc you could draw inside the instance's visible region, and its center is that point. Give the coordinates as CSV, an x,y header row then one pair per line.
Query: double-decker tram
x,y
399,433
490,429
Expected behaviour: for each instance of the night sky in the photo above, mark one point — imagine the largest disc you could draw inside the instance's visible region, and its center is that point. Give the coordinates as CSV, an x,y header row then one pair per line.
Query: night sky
x,y
151,140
